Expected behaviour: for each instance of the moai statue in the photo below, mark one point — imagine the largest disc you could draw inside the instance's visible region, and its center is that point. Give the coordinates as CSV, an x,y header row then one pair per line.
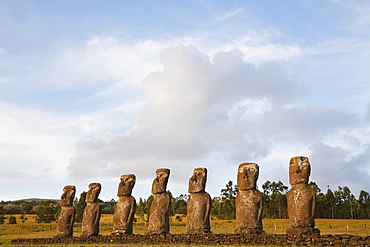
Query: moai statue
x,y
248,201
158,216
301,198
66,216
92,211
199,203
125,208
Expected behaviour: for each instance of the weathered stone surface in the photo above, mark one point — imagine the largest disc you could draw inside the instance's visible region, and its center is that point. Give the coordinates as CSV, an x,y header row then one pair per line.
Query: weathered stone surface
x,y
158,216
92,211
301,198
66,216
199,203
160,181
125,208
248,201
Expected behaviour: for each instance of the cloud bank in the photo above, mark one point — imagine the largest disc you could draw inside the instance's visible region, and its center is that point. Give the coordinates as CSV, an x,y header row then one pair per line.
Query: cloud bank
x,y
217,112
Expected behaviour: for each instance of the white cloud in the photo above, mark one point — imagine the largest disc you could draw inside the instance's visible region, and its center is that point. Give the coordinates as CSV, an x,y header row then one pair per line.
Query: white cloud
x,y
257,47
105,58
213,111
41,142
230,14
33,140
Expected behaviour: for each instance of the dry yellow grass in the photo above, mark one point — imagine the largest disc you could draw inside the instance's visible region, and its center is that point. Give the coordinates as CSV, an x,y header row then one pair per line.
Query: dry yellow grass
x,y
326,226
31,229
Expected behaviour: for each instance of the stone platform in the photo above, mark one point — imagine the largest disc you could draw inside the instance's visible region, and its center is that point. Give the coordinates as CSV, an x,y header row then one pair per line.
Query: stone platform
x,y
208,239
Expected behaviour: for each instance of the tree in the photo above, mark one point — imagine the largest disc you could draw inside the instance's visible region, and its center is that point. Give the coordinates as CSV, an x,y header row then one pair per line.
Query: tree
x,y
364,205
143,208
349,201
26,208
345,203
229,193
274,200
12,220
80,206
108,207
178,204
315,186
46,213
331,200
223,207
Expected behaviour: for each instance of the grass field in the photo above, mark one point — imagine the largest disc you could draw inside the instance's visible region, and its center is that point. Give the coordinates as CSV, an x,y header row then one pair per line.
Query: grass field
x,y
31,229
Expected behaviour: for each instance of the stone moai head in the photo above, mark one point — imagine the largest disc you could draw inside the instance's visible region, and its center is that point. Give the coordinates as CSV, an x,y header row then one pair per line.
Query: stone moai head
x,y
68,195
126,184
247,176
197,182
160,182
299,170
93,193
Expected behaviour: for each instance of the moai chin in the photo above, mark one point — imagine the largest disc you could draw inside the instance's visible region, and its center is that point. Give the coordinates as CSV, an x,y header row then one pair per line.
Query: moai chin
x,y
92,211
199,203
158,216
66,216
125,207
301,198
248,201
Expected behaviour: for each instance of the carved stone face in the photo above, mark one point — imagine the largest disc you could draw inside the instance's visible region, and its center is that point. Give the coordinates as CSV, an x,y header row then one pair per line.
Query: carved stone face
x,y
68,195
197,182
299,170
247,176
93,193
160,182
126,184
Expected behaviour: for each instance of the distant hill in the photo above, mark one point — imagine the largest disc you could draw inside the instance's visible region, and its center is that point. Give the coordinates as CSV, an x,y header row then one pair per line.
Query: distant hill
x,y
38,200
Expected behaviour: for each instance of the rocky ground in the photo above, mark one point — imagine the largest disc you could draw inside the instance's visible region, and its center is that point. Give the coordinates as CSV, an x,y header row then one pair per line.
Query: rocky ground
x,y
209,239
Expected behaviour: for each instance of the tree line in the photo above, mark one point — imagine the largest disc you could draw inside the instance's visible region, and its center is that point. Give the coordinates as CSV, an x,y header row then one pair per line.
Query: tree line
x,y
333,204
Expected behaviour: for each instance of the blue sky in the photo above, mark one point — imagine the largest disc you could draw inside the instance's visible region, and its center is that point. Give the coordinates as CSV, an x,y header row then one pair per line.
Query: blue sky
x,y
91,90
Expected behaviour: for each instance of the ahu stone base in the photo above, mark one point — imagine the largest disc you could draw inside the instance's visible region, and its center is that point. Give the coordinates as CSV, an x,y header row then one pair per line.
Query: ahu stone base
x,y
248,231
302,230
208,239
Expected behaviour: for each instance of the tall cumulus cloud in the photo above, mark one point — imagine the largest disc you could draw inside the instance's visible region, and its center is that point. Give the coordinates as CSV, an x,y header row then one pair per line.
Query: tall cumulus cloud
x,y
214,112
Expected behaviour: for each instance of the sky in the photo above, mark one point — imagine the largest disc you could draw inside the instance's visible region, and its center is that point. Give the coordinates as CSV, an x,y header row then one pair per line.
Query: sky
x,y
92,90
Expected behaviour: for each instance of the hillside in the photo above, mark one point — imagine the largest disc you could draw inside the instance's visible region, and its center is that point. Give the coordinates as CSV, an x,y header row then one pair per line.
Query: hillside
x,y
38,200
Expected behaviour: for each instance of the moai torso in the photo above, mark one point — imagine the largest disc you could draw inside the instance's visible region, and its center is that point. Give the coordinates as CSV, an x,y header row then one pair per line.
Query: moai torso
x,y
301,197
301,201
158,216
125,207
199,203
66,216
92,211
248,211
248,201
